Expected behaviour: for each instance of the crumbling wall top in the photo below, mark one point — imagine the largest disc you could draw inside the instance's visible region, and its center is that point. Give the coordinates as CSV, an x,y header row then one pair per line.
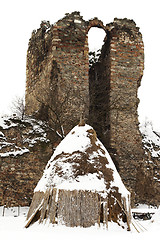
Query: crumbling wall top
x,y
124,22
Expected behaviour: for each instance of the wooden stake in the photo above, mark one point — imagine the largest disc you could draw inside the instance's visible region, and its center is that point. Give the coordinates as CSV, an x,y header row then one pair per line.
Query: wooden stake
x,y
105,214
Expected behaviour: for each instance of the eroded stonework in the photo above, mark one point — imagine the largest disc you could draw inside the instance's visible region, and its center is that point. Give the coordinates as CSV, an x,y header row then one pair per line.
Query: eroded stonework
x,y
60,87
25,148
107,92
114,83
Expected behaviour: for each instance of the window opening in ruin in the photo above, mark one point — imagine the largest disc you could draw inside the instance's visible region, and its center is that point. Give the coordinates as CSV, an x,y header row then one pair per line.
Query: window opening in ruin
x,y
95,42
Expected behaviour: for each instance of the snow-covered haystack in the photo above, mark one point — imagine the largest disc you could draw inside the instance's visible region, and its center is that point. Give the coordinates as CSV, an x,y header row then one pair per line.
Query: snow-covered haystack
x,y
80,185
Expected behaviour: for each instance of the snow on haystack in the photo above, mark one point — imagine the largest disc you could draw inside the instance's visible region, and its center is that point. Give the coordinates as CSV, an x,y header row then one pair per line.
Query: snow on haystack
x,y
80,185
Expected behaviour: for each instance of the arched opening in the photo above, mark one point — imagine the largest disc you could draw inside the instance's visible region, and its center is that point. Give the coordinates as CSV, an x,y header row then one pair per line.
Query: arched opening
x,y
95,42
99,82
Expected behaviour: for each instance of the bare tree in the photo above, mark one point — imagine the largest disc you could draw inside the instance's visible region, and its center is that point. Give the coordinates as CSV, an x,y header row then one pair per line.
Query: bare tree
x,y
57,108
18,107
52,109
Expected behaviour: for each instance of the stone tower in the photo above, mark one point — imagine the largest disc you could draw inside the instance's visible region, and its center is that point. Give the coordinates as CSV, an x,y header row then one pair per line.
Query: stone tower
x,y
60,86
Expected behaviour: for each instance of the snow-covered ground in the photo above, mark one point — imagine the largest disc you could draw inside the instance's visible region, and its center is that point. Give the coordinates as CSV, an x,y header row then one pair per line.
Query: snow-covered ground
x,y
13,228
151,138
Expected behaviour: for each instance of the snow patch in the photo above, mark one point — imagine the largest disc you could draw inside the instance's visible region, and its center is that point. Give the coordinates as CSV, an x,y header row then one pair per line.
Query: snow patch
x,y
151,139
5,123
88,182
13,228
32,132
77,21
14,153
156,216
76,140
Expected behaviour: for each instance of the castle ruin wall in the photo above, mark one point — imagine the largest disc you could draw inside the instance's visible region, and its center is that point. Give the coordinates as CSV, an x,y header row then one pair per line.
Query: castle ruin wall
x,y
60,87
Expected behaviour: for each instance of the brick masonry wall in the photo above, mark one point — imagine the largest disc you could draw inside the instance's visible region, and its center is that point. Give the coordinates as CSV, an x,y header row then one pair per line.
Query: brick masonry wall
x,y
58,72
127,64
25,149
65,43
114,83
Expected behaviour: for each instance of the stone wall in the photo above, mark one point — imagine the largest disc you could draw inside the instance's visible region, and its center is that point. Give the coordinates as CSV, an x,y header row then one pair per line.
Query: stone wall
x,y
126,71
57,70
25,148
114,82
60,86
57,66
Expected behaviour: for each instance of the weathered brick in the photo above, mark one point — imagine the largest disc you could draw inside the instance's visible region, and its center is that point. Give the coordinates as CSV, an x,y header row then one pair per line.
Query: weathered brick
x,y
57,59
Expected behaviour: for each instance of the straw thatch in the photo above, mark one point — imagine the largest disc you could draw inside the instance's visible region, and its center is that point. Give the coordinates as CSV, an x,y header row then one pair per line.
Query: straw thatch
x,y
80,185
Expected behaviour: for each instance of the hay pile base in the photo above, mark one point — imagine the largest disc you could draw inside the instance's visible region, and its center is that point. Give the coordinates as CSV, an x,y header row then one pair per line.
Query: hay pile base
x,y
76,208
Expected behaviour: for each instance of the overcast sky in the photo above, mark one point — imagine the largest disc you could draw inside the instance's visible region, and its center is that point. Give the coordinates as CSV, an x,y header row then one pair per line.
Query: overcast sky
x,y
18,18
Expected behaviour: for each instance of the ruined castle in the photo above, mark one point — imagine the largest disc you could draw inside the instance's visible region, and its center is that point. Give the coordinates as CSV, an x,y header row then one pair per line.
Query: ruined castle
x,y
58,56
60,86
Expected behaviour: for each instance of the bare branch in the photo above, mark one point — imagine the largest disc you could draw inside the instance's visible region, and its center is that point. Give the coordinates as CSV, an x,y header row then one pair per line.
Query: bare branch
x,y
18,107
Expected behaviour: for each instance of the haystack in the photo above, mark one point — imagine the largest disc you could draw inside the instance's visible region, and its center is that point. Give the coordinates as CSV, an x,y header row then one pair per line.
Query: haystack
x,y
80,185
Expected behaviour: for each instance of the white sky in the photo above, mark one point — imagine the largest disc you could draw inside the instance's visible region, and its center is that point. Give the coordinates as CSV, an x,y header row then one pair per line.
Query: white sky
x,y
19,18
